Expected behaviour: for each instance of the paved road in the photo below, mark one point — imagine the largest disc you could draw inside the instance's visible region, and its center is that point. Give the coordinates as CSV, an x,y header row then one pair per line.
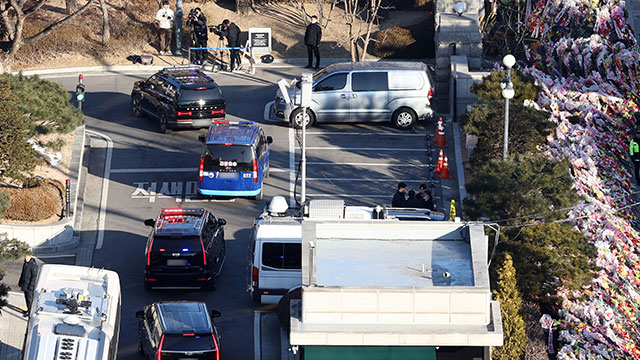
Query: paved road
x,y
148,171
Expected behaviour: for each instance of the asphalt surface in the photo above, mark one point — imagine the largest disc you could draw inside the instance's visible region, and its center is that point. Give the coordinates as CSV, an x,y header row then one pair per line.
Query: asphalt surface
x,y
360,163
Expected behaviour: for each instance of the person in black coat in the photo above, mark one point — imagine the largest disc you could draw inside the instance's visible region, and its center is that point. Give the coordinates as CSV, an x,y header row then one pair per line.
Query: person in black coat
x,y
27,280
398,198
232,33
427,198
312,38
414,200
199,23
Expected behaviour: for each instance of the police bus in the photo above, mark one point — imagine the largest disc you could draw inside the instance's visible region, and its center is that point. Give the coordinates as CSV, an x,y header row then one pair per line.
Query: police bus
x,y
75,314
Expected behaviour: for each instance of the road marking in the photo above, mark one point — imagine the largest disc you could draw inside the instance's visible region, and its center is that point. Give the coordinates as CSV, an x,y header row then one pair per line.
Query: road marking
x,y
292,166
105,188
359,149
361,133
356,179
364,164
349,195
182,191
256,335
154,170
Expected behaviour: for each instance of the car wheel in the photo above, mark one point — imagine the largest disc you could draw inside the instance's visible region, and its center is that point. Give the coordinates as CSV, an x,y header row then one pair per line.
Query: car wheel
x,y
136,111
266,172
297,118
147,286
164,123
140,347
404,118
255,297
260,195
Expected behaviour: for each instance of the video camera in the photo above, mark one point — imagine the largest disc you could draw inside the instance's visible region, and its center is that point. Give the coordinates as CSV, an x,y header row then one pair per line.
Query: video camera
x,y
192,14
217,29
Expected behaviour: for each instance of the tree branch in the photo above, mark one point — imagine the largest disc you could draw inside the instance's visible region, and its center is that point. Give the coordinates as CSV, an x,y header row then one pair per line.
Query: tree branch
x,y
34,8
58,23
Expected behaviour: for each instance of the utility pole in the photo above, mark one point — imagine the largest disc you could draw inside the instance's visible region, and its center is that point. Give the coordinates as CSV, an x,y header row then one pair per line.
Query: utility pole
x,y
305,102
178,23
507,93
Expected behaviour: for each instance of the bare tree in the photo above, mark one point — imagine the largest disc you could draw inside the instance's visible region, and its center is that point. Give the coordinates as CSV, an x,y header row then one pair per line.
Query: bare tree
x,y
106,29
360,18
13,15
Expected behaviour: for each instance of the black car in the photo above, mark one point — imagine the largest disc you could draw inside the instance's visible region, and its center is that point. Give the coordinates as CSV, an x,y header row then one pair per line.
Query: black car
x,y
185,249
178,330
179,97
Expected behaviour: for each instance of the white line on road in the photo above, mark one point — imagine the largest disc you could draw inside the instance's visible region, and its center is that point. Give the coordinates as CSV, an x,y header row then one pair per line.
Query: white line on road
x,y
256,335
364,164
369,180
361,133
152,170
359,149
105,188
349,195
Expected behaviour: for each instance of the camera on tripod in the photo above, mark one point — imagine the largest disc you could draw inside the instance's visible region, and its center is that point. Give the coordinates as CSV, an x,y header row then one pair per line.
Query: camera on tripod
x,y
217,29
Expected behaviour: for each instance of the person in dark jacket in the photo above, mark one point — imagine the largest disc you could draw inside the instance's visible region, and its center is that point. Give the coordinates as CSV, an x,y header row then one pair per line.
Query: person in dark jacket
x,y
312,38
27,280
232,33
427,198
414,200
634,152
199,23
398,198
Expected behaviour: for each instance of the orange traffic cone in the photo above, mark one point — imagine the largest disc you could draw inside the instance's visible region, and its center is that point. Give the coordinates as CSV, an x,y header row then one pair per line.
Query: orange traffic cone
x,y
440,162
441,140
435,138
444,174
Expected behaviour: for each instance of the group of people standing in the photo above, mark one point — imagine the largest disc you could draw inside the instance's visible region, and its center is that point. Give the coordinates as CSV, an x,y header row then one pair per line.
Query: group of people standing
x,y
165,19
228,30
413,199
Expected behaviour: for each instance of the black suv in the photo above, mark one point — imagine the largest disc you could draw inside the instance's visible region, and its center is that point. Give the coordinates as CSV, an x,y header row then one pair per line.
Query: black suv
x,y
178,330
185,249
179,97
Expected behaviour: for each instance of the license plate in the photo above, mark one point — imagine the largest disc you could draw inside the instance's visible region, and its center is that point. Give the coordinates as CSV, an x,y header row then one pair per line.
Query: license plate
x,y
227,175
176,262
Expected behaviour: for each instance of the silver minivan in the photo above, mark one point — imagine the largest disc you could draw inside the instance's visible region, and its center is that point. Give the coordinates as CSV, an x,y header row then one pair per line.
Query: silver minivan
x,y
400,92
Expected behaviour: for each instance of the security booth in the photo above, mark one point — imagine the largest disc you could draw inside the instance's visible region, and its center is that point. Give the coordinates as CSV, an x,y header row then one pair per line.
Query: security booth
x,y
394,290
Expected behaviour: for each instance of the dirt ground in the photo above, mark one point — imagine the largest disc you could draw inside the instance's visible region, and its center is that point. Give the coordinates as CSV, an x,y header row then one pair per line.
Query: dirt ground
x,y
285,22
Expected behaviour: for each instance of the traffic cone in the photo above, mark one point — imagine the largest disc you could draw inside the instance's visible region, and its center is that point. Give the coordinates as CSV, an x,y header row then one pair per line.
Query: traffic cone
x,y
440,162
441,140
435,138
444,173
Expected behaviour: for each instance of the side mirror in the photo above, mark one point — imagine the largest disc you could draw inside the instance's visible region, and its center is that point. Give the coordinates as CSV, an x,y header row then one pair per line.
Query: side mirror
x,y
215,313
269,139
222,222
140,314
202,138
150,222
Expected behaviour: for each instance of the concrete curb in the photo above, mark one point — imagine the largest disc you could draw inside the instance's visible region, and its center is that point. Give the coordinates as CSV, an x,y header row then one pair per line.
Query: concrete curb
x,y
138,68
74,177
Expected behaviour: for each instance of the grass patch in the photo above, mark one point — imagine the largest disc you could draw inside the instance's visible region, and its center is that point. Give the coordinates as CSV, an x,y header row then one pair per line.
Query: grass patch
x,y
413,42
56,144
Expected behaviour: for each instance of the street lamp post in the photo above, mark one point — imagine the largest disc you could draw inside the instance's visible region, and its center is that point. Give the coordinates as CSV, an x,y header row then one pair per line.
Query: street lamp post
x,y
507,93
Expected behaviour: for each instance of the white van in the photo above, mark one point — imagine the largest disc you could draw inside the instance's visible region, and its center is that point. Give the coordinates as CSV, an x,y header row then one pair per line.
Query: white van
x,y
274,253
275,246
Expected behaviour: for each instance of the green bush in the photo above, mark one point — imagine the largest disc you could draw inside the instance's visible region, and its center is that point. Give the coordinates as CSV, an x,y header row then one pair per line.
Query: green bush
x,y
5,202
17,157
45,104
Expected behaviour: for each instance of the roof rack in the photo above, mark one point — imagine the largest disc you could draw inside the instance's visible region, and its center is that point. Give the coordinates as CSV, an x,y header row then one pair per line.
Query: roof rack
x,y
181,67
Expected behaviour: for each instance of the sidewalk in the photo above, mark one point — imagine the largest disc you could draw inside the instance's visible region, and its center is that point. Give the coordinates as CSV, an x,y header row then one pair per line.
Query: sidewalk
x,y
12,327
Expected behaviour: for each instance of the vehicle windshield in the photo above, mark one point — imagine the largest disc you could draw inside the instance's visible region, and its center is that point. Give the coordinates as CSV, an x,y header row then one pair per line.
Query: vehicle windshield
x,y
228,158
191,95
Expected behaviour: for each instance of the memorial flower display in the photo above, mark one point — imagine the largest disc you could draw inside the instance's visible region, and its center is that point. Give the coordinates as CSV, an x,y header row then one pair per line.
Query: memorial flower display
x,y
586,62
